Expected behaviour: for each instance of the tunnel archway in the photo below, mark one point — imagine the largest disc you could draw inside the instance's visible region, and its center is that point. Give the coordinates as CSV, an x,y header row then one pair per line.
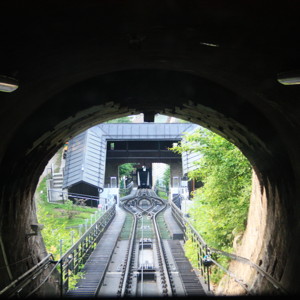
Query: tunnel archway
x,y
179,94
212,63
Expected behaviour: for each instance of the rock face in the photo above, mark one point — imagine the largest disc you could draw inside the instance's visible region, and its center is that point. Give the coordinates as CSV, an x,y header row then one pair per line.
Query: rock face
x,y
250,246
257,245
209,63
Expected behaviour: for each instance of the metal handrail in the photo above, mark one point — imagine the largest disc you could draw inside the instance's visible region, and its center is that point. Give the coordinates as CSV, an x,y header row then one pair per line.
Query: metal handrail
x,y
88,232
45,279
19,283
127,190
184,223
81,250
22,281
244,260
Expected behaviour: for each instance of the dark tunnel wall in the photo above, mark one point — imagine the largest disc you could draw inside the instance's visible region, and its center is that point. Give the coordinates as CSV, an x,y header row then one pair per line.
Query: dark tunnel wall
x,y
236,127
86,63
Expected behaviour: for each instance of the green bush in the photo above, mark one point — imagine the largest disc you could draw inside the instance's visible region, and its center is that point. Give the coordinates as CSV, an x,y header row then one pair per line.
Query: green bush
x,y
220,207
56,217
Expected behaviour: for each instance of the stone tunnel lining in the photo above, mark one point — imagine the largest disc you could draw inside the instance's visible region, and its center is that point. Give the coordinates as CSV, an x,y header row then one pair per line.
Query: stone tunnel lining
x,y
54,145
69,84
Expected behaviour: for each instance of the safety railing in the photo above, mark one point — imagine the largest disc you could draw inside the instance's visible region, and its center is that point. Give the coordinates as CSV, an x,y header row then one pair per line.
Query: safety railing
x,y
202,248
205,260
19,287
74,259
127,190
70,263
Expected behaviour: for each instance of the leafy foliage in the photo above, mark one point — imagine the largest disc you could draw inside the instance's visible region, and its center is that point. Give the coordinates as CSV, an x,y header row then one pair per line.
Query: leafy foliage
x,y
190,249
126,169
220,207
56,217
74,278
162,194
166,178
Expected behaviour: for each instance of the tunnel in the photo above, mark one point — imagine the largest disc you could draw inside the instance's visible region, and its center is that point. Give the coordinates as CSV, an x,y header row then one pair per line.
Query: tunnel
x,y
213,63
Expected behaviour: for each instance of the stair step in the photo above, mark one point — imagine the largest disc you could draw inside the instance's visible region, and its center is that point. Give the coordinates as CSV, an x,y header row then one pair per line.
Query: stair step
x,y
58,180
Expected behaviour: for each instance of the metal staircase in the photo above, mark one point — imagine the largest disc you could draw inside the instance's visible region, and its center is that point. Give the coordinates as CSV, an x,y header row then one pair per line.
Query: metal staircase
x,y
57,182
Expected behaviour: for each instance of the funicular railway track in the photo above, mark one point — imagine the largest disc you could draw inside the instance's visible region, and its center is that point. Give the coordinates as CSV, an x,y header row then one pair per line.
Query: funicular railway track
x,y
147,272
140,264
151,266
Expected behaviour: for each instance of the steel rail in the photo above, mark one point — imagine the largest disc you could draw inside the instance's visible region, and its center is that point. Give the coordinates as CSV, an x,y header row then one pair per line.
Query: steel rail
x,y
142,195
162,254
166,271
130,251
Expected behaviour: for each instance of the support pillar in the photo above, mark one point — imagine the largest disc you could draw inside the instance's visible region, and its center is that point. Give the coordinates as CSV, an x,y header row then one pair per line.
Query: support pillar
x,y
111,170
175,171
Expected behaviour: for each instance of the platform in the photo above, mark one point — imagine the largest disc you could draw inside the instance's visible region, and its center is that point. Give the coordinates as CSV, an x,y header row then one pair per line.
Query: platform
x,y
175,231
97,264
189,278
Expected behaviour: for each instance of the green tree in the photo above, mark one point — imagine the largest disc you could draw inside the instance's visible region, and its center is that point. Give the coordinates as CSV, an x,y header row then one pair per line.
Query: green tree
x,y
125,170
220,207
166,178
56,217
